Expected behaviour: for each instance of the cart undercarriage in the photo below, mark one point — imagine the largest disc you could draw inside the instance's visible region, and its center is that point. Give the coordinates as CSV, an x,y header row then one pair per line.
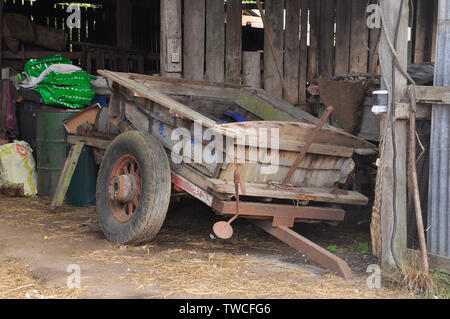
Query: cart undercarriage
x,y
138,173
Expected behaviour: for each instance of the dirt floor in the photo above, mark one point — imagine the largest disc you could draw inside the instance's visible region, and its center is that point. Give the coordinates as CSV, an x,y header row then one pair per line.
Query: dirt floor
x,y
185,260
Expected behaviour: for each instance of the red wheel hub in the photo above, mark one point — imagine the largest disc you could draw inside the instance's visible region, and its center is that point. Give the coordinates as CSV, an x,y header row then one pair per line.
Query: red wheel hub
x,y
124,188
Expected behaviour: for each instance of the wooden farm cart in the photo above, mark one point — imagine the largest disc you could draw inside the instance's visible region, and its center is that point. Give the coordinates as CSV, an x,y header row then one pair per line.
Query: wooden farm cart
x,y
141,165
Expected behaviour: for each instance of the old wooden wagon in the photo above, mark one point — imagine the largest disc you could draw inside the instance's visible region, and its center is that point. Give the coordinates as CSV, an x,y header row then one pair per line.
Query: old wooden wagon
x,y
142,163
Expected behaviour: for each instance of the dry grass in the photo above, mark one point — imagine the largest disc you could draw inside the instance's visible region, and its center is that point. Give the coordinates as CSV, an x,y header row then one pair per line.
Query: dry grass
x,y
413,279
17,283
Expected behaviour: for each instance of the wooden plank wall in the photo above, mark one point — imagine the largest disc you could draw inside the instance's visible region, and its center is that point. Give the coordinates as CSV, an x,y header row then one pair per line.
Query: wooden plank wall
x,y
99,27
320,38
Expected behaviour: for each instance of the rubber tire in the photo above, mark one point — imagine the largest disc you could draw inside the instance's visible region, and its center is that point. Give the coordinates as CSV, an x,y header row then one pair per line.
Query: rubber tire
x,y
155,194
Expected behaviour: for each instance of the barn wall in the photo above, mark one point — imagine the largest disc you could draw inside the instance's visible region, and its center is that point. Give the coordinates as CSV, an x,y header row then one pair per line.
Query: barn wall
x,y
96,44
333,40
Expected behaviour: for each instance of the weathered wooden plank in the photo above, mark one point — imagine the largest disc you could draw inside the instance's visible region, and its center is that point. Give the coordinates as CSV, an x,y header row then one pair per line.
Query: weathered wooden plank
x,y
173,86
299,193
433,94
343,27
171,38
123,24
234,41
434,30
1,33
293,136
314,24
194,39
215,41
155,96
314,170
374,41
274,10
303,67
359,34
270,109
327,38
439,262
66,174
252,69
88,141
292,50
424,11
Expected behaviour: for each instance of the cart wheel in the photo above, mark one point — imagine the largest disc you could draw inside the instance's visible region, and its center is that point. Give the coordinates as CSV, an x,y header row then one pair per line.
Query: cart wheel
x,y
133,188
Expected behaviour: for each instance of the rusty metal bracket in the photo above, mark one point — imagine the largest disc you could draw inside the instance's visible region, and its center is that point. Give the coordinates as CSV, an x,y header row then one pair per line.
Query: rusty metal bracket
x,y
314,252
223,229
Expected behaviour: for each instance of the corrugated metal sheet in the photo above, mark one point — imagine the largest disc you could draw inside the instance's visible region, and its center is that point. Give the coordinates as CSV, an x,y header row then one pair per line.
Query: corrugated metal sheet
x,y
439,187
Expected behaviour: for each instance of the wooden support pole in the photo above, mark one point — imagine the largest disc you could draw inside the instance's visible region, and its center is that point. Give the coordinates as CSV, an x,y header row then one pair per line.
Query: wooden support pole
x,y
292,51
194,39
215,41
303,67
234,41
393,177
170,38
343,27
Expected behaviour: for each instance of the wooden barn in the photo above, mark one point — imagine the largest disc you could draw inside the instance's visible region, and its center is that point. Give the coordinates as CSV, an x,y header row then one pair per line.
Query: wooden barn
x,y
382,65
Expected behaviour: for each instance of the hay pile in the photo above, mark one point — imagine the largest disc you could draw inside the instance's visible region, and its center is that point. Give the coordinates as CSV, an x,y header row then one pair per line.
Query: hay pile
x,y
184,273
184,261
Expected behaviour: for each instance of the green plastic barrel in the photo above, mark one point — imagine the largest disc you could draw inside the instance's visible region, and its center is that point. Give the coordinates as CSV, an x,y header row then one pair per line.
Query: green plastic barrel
x,y
51,147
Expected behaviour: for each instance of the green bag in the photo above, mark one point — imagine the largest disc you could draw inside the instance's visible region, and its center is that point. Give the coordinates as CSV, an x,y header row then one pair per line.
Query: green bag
x,y
72,90
35,67
74,97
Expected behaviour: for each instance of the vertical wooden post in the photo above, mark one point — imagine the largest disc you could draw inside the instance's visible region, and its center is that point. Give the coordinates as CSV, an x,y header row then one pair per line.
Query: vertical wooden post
x,y
391,11
343,27
194,39
252,69
423,30
274,10
327,38
374,41
170,38
358,35
123,32
434,31
314,24
123,24
303,67
292,50
234,41
1,32
215,41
